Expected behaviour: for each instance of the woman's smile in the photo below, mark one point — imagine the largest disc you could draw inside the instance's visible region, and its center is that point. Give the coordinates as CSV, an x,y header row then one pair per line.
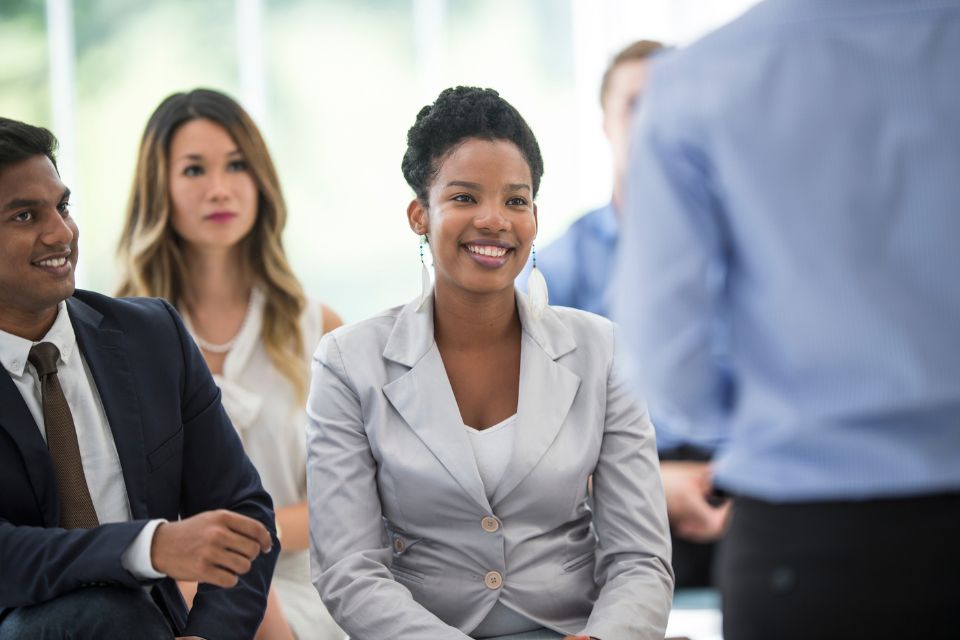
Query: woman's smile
x,y
481,219
488,254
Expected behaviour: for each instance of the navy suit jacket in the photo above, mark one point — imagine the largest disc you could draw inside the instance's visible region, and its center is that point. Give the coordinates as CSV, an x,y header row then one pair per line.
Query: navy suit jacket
x,y
179,453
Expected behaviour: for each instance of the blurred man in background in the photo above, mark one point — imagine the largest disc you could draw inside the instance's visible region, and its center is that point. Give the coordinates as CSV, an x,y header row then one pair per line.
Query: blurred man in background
x,y
794,179
578,266
579,270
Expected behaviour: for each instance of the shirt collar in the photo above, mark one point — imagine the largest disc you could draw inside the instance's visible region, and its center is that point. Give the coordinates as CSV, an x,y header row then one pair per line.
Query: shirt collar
x,y
14,349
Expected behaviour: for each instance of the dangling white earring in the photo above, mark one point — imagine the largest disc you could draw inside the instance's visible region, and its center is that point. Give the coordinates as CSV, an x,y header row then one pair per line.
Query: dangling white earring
x,y
424,276
537,289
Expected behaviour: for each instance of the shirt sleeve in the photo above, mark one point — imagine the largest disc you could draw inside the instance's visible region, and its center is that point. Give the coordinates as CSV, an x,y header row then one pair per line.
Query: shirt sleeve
x,y
136,559
667,298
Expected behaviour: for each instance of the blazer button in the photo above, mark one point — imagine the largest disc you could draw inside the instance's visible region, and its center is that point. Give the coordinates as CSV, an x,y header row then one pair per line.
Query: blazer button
x,y
493,580
490,524
398,545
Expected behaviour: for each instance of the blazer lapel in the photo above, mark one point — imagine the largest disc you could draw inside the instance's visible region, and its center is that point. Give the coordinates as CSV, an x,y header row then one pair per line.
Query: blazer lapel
x,y
103,350
18,422
547,391
424,398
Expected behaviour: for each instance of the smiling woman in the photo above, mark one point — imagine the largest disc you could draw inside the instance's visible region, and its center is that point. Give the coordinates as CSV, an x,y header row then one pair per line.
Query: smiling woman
x,y
479,212
451,440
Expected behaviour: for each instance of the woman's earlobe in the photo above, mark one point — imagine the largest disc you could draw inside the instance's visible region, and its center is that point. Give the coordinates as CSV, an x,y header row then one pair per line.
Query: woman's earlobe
x,y
417,217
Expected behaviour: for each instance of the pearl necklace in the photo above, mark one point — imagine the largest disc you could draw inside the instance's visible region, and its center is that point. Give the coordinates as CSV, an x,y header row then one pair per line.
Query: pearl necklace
x,y
213,347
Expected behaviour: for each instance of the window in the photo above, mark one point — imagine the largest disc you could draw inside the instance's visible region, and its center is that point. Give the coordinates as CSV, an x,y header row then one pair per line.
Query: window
x,y
334,85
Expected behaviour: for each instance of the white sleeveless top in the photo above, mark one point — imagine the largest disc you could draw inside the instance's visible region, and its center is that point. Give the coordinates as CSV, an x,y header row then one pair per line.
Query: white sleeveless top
x,y
492,448
271,422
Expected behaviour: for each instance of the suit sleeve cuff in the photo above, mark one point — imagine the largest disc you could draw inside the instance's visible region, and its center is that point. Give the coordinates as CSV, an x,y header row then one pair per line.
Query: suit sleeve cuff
x,y
136,559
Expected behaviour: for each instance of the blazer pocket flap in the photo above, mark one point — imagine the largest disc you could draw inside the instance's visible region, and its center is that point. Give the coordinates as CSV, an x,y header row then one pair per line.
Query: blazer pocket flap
x,y
404,572
169,448
399,540
401,543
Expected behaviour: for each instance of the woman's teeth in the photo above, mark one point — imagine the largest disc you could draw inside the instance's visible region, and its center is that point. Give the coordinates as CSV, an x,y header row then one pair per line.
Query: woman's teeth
x,y
487,250
52,262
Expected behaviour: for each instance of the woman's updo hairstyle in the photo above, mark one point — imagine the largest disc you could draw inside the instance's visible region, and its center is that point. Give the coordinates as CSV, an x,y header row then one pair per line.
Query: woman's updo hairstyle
x,y
458,114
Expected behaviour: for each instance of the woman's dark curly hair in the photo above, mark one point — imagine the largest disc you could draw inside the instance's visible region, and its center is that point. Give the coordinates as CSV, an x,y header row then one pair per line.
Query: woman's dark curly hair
x,y
458,114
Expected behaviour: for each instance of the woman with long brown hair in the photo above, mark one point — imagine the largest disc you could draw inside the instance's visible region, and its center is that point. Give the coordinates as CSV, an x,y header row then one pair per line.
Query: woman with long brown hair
x,y
203,230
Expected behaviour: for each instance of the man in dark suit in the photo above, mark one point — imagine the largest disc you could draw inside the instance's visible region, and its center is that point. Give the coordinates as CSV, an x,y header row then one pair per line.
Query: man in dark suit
x,y
120,471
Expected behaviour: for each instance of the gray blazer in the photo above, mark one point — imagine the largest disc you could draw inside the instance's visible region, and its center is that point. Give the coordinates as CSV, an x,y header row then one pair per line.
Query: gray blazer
x,y
405,543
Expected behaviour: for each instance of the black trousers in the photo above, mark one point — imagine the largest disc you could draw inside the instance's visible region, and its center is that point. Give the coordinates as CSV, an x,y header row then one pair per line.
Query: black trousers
x,y
875,570
89,613
693,563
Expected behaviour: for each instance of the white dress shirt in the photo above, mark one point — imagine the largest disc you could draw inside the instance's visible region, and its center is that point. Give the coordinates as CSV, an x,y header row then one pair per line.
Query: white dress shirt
x,y
98,452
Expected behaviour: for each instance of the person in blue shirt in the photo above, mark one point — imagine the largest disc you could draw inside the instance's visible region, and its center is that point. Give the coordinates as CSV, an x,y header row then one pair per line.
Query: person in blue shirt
x,y
810,153
579,264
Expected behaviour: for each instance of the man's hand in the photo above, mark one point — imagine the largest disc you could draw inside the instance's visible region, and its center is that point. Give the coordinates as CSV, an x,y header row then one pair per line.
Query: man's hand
x,y
687,485
215,547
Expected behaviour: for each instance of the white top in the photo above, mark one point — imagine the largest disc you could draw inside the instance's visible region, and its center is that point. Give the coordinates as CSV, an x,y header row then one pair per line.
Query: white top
x,y
492,447
98,452
263,406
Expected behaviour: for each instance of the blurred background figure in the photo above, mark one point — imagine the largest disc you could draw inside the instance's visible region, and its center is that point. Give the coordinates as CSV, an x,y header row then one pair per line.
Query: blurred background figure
x,y
579,269
578,266
794,179
203,230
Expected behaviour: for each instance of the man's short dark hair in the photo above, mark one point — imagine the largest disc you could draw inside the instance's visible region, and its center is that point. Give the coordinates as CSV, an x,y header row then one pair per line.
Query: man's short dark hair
x,y
639,50
458,114
19,141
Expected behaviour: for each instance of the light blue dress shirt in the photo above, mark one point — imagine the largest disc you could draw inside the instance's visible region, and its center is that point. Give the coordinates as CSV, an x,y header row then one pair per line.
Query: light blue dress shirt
x,y
578,266
809,151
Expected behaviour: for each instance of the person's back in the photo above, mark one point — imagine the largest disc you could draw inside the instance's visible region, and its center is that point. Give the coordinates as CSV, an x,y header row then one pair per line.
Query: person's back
x,y
842,219
809,151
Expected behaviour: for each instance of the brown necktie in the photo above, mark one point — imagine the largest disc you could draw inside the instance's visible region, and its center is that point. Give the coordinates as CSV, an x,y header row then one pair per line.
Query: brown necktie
x,y
76,507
